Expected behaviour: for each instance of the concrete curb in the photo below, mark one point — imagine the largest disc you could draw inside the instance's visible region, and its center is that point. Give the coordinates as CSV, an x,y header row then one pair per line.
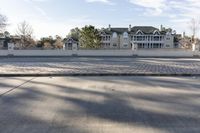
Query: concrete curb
x,y
133,56
96,74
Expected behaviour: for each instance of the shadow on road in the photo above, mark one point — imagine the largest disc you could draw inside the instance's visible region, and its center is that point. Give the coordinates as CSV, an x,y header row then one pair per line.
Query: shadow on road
x,y
162,104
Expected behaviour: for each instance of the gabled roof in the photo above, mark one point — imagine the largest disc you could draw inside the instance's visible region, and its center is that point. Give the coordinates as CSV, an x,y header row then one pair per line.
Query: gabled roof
x,y
70,39
134,30
144,29
117,30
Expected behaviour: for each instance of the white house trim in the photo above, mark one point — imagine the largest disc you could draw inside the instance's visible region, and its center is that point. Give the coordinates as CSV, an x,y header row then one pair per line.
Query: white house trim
x,y
156,31
139,31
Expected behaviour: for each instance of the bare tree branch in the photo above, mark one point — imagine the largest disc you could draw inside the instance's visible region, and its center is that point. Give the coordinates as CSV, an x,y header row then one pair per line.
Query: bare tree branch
x,y
25,31
3,23
194,27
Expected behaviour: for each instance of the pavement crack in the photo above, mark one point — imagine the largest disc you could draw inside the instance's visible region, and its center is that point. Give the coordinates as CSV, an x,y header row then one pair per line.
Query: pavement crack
x,y
3,94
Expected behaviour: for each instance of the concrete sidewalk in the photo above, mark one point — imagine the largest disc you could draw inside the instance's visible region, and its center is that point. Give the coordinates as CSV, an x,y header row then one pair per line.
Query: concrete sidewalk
x,y
100,105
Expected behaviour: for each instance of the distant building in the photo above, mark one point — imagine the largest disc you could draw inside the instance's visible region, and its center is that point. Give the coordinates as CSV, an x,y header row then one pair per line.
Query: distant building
x,y
16,40
5,39
68,43
140,37
177,41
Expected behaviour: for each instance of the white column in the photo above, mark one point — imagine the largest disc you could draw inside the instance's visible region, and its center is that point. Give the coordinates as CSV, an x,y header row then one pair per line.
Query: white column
x,y
11,48
74,49
64,46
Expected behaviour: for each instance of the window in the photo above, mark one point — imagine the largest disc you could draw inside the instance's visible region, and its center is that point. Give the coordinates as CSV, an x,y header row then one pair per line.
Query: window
x,y
156,32
135,38
139,32
114,45
143,38
141,45
125,45
156,38
155,45
108,44
167,45
139,38
107,38
148,38
145,45
131,38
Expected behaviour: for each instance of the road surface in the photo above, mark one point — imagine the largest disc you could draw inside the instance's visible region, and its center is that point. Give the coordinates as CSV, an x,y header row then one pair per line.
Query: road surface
x,y
100,105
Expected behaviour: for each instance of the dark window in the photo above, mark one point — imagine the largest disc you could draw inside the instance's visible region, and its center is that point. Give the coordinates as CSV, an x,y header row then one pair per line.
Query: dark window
x,y
114,45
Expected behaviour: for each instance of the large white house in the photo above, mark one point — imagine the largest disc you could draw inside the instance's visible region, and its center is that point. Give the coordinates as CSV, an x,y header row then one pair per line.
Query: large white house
x,y
137,37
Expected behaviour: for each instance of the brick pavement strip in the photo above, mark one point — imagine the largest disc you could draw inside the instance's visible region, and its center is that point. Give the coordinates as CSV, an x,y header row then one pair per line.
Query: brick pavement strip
x,y
140,66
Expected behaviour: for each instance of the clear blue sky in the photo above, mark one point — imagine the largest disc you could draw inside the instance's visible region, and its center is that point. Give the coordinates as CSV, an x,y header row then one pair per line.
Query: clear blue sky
x,y
57,17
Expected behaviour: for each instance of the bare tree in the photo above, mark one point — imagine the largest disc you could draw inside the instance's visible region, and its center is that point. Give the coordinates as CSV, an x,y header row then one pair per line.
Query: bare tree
x,y
186,42
194,27
25,31
3,23
47,45
58,43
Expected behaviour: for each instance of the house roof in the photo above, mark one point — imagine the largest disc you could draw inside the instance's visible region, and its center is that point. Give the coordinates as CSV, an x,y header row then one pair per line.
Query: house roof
x,y
134,30
144,29
70,39
117,30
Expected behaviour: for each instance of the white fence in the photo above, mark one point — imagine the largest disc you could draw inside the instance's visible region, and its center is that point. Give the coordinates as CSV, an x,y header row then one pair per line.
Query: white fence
x,y
42,53
165,53
105,53
140,53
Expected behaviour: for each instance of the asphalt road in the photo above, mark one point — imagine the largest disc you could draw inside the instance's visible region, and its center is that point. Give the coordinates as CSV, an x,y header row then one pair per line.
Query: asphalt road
x,y
100,105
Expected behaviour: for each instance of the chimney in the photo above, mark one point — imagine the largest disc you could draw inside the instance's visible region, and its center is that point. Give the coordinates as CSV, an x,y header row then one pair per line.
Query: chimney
x,y
161,27
129,29
184,34
109,27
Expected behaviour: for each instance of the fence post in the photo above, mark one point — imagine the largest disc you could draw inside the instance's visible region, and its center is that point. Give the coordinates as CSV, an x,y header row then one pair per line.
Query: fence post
x,y
134,49
10,49
196,49
74,49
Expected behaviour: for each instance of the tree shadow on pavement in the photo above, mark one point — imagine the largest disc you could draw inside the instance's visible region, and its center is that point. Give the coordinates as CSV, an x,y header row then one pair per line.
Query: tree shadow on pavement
x,y
53,107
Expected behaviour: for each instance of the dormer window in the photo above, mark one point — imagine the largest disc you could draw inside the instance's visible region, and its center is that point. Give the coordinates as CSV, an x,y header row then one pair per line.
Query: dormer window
x,y
114,35
168,33
103,33
156,32
139,32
